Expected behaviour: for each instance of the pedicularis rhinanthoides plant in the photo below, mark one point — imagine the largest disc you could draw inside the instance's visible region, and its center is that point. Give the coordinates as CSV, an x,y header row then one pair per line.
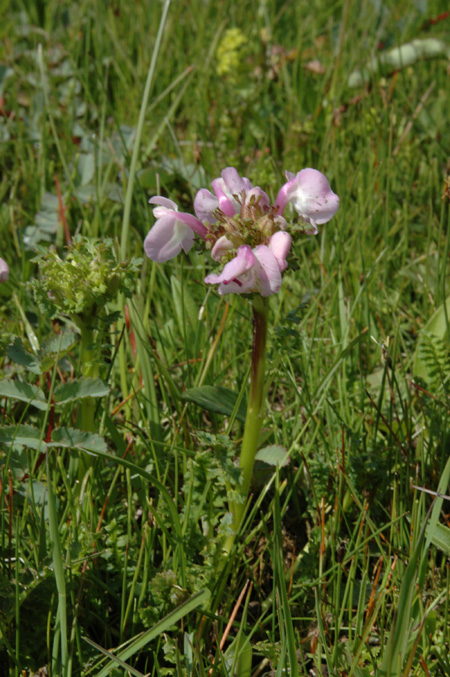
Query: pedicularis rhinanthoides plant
x,y
249,237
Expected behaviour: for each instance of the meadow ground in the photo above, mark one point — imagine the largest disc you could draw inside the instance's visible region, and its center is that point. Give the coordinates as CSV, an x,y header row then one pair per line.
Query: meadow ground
x,y
118,456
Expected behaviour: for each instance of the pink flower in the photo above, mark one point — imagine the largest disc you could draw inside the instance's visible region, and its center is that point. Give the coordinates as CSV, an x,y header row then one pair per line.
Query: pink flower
x,y
311,196
172,232
226,189
4,271
255,270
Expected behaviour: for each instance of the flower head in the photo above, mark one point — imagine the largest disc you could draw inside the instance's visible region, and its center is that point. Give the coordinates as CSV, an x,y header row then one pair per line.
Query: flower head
x,y
4,271
243,230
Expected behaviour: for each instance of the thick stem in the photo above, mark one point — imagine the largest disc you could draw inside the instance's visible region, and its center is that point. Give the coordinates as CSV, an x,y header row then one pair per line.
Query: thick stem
x,y
254,417
89,369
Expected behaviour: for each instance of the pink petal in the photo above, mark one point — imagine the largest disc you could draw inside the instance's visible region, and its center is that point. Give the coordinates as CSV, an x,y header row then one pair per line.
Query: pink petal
x,y
167,207
242,262
235,183
279,245
243,285
268,271
167,238
311,196
4,271
204,205
258,196
164,202
193,223
221,247
254,270
229,206
237,276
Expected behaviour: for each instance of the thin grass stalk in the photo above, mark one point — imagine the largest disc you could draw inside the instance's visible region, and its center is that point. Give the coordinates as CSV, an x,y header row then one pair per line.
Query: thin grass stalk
x,y
197,600
60,633
140,126
131,177
17,603
58,567
281,586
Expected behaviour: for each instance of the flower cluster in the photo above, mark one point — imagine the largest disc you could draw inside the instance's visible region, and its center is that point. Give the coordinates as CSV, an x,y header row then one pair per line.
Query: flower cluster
x,y
240,226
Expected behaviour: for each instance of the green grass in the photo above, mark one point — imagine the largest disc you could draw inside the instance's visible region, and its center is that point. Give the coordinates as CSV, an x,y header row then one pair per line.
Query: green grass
x,y
110,559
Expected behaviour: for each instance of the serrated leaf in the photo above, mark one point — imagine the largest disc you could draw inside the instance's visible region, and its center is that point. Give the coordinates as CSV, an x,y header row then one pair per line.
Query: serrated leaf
x,y
218,399
17,353
73,438
77,390
273,455
60,343
26,435
25,392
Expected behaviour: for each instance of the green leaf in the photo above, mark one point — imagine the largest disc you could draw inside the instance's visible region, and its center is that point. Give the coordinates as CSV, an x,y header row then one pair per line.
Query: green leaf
x,y
238,656
59,344
77,390
440,537
45,222
86,168
17,353
218,399
273,455
73,438
26,435
18,390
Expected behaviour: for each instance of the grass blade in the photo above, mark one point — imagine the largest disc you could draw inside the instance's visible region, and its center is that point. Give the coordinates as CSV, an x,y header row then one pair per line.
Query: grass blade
x,y
142,640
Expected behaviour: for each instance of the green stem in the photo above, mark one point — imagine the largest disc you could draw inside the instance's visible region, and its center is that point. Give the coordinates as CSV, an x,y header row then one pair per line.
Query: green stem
x,y
254,417
89,369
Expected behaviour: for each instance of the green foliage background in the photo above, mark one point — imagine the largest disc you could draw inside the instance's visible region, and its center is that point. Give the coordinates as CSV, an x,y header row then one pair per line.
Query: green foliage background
x,y
114,531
